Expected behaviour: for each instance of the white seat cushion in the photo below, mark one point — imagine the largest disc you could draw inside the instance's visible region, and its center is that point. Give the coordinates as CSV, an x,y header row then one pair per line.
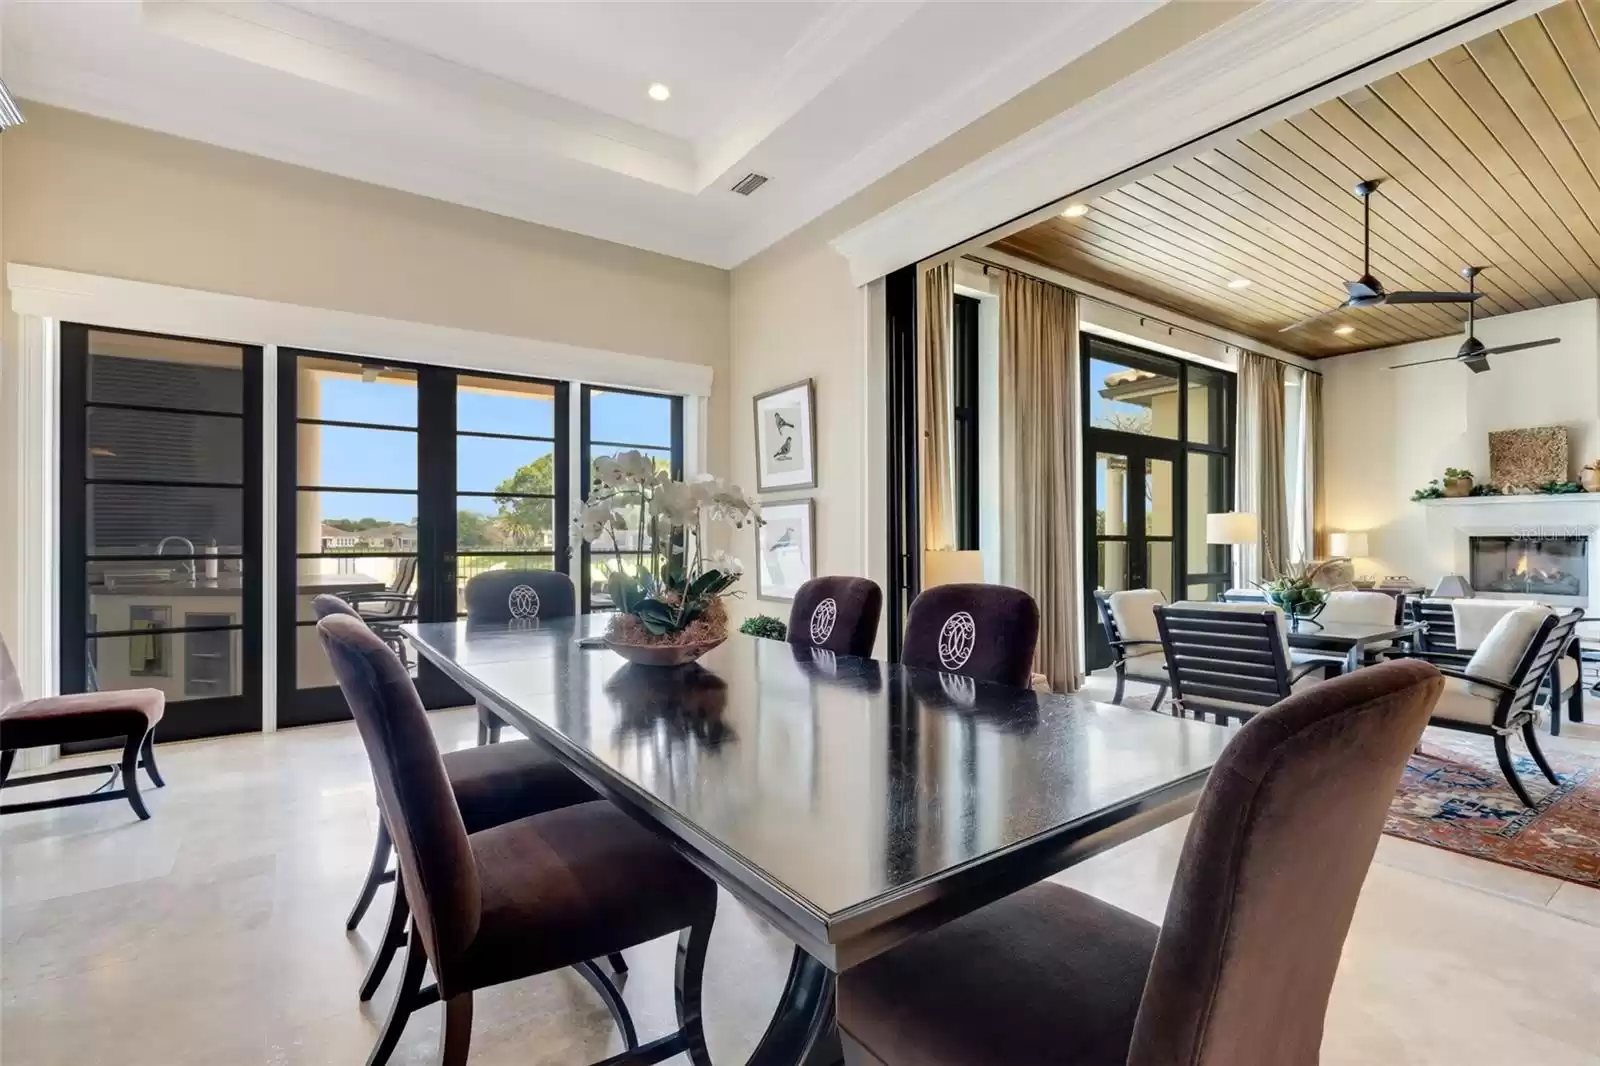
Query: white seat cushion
x,y
1151,668
1569,672
1462,702
1476,618
1134,612
1364,608
1502,650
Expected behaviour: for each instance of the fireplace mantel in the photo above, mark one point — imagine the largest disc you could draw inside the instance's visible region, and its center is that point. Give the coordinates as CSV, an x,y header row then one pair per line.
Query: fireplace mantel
x,y
1528,500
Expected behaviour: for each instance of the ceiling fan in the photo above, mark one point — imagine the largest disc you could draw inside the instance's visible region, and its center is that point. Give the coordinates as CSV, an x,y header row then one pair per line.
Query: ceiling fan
x,y
1368,291
1473,354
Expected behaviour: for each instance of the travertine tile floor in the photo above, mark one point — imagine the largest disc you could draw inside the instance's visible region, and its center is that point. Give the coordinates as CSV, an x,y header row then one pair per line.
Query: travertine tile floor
x,y
213,934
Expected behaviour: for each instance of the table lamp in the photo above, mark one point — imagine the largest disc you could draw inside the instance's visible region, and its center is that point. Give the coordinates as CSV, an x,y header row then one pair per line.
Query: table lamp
x,y
1350,546
1232,527
951,568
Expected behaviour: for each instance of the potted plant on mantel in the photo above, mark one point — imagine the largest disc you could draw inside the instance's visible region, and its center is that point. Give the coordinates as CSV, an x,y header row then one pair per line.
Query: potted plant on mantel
x,y
668,592
1457,482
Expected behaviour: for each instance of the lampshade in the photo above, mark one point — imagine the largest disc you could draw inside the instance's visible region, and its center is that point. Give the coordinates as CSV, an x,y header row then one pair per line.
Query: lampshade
x,y
1232,527
951,568
1347,545
1452,587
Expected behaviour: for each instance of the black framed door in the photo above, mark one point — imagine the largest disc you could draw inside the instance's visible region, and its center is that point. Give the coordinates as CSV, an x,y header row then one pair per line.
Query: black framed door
x,y
160,524
397,484
1157,458
618,420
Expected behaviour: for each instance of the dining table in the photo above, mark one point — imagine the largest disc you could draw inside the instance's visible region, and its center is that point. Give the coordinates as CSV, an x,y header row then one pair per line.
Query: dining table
x,y
1355,641
851,803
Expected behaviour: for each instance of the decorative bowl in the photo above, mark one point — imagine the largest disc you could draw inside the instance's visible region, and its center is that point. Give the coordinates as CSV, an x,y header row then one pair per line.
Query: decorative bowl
x,y
661,654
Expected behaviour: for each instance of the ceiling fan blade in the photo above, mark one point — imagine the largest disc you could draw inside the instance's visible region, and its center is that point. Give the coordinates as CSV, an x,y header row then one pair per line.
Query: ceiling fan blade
x,y
1432,297
1317,317
1519,347
1425,362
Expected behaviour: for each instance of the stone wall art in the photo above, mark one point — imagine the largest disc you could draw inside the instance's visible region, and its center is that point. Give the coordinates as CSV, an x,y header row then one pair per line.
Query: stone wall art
x,y
1520,460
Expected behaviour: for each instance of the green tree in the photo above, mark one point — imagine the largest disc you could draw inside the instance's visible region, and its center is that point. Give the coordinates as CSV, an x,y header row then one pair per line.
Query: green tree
x,y
474,530
523,519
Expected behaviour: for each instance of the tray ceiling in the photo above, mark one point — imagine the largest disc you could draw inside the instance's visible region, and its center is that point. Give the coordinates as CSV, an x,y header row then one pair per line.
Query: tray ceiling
x,y
1489,155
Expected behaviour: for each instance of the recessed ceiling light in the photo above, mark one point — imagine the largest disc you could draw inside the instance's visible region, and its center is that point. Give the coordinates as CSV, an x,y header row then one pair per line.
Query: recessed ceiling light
x,y
659,92
1075,211
1239,283
1345,331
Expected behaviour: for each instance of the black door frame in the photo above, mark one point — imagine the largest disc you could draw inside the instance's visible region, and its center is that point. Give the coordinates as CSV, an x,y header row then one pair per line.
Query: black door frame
x,y
586,443
1139,447
183,719
436,494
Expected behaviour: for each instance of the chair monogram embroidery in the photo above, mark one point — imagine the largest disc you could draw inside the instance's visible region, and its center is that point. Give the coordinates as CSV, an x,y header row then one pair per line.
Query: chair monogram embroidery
x,y
957,638
822,620
523,602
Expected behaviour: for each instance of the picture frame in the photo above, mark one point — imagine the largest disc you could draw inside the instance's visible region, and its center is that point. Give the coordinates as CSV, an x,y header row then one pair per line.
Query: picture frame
x,y
786,553
786,437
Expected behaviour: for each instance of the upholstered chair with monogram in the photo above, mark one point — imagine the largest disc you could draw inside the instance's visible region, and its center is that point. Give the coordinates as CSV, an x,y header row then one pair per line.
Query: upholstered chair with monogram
x,y
515,597
985,632
839,614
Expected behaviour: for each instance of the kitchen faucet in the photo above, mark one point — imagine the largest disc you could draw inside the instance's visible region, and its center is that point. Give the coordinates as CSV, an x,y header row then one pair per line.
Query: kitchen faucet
x,y
162,548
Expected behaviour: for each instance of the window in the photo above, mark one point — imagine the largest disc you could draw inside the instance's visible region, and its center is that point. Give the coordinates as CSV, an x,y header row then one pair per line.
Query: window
x,y
617,420
964,394
1294,462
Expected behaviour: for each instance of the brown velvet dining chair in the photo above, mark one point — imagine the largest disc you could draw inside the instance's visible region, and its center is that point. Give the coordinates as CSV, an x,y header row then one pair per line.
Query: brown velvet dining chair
x,y
523,597
522,898
493,785
1239,972
985,632
837,614
131,714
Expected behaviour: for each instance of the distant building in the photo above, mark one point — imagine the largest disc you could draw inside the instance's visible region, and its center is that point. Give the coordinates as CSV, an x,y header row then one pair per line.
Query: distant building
x,y
336,539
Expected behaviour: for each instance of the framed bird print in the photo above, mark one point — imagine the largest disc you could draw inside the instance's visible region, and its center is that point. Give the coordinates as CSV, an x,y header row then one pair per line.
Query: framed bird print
x,y
786,555
786,435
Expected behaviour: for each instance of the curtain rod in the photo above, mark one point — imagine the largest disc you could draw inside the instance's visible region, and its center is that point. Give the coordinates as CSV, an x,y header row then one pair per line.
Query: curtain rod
x,y
986,264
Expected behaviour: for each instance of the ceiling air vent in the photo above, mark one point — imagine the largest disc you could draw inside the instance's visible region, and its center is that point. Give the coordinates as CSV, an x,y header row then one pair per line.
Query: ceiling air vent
x,y
749,183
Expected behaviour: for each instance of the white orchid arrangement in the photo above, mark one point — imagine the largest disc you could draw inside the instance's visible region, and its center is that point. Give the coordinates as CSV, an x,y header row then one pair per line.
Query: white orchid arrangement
x,y
675,593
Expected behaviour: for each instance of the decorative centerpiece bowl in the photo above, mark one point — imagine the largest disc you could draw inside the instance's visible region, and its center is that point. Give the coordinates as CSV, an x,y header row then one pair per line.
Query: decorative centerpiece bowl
x,y
646,531
1296,592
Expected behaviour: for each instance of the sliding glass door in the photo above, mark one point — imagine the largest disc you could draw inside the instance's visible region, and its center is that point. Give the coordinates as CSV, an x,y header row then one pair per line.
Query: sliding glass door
x,y
397,485
1158,457
160,524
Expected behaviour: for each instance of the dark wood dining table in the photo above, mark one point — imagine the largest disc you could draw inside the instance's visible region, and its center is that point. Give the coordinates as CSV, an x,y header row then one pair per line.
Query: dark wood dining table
x,y
1353,640
851,803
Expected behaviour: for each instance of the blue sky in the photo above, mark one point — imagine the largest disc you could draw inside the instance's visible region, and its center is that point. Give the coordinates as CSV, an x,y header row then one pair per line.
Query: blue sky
x,y
386,459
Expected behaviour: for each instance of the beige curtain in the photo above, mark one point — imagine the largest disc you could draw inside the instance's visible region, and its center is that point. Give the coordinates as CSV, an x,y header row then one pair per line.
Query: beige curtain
x,y
1259,477
1039,463
1311,515
935,407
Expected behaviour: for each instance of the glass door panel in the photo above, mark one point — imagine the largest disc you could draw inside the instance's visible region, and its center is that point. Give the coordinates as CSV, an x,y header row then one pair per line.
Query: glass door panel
x,y
161,524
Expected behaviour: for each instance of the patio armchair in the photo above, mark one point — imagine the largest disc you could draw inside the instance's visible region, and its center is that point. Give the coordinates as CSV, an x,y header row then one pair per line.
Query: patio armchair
x,y
1230,659
1497,692
1129,620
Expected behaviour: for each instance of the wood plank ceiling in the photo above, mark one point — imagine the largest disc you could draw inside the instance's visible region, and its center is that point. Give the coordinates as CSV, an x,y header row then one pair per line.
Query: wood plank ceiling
x,y
1489,154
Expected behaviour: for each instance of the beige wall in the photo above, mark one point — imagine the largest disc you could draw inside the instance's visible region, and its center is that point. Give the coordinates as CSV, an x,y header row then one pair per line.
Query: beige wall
x,y
796,314
85,194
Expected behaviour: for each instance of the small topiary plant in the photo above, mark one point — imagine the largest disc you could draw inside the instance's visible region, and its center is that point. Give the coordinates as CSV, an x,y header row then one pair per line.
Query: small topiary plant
x,y
764,625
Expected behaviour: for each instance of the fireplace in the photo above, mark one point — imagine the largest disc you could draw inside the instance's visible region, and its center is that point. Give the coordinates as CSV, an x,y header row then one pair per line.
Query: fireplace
x,y
1530,565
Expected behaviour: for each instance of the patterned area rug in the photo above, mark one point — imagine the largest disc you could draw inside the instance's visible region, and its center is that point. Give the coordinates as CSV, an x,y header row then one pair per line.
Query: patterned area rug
x,y
1453,796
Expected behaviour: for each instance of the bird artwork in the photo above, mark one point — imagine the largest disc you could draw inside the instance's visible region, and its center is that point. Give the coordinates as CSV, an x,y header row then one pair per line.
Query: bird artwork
x,y
785,541
784,451
783,423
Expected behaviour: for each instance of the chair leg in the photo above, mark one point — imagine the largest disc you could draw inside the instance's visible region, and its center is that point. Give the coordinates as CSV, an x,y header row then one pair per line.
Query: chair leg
x,y
1116,697
619,1010
619,965
1161,694
405,1001
148,755
130,776
687,980
7,757
495,725
455,1034
1531,737
375,877
394,938
1503,753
